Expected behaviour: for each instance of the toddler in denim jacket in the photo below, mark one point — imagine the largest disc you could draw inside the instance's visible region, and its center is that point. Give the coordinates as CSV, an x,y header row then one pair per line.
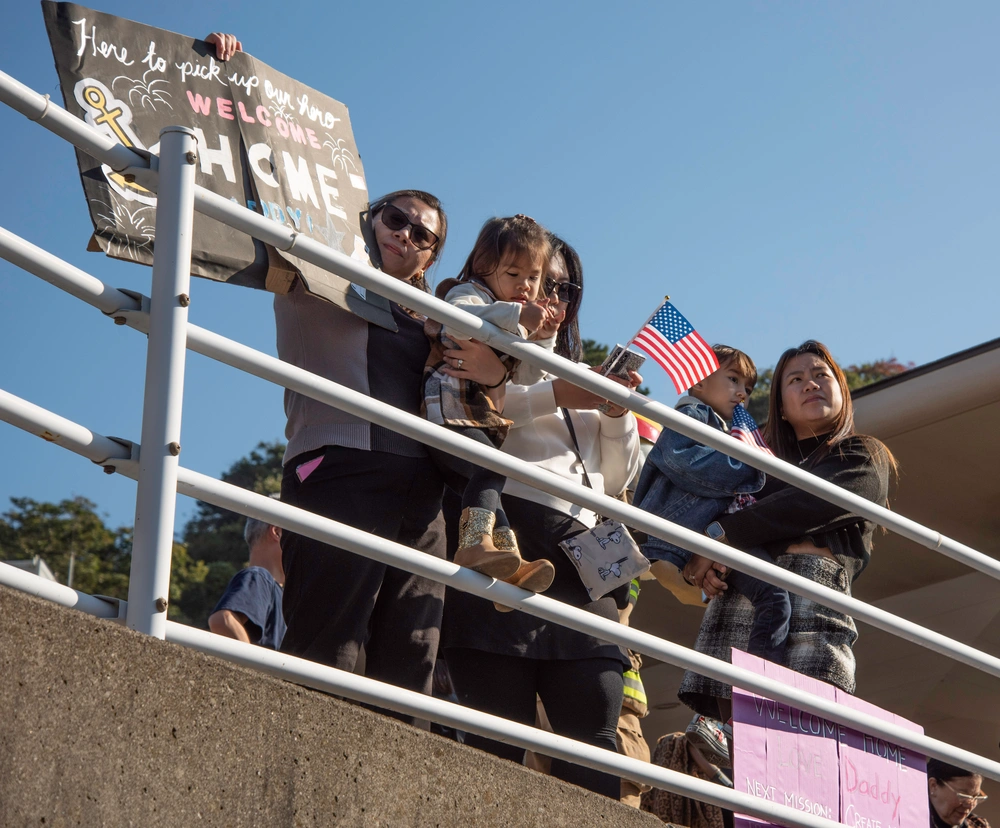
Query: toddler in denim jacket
x,y
692,485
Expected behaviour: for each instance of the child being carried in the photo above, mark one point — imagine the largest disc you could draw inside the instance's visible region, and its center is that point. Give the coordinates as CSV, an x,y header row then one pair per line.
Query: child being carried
x,y
693,485
502,282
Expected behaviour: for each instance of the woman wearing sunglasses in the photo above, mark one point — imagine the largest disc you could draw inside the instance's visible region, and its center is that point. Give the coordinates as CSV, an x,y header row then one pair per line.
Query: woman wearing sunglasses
x,y
347,469
500,662
954,793
350,470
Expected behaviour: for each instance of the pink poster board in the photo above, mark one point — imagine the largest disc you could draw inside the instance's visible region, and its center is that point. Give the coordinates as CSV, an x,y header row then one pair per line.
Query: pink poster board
x,y
809,763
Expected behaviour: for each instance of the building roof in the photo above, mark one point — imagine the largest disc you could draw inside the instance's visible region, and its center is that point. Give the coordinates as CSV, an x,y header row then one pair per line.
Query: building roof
x,y
920,370
35,565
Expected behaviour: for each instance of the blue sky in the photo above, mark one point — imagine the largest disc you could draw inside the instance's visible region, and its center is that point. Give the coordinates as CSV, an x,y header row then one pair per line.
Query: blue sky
x,y
783,170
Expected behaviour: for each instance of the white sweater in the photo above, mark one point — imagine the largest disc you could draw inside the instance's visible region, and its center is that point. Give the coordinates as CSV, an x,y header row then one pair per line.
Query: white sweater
x,y
610,446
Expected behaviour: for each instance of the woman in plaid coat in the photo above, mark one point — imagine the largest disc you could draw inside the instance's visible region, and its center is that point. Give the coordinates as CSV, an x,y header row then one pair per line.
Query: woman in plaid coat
x,y
810,423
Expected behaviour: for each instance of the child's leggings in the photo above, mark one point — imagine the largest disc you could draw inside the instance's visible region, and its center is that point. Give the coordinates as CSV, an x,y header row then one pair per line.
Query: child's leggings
x,y
478,487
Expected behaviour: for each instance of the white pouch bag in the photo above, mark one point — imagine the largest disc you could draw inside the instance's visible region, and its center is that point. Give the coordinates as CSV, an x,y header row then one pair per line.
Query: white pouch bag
x,y
605,557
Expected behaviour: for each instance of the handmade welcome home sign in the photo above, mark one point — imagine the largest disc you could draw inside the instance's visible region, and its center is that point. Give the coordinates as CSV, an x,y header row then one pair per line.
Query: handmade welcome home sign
x,y
818,766
265,141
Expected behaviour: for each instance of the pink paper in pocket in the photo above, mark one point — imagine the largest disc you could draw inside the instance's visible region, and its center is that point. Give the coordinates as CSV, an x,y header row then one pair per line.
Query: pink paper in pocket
x,y
305,469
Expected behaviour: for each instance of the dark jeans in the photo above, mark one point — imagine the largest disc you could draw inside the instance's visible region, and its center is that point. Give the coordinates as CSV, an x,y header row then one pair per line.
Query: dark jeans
x,y
582,699
335,601
772,611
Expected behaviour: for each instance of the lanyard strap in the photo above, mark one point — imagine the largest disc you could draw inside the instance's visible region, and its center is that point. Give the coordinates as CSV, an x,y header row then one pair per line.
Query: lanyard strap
x,y
576,445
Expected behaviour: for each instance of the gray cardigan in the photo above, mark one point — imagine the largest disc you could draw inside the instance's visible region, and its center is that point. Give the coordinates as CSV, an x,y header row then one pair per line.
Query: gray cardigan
x,y
337,345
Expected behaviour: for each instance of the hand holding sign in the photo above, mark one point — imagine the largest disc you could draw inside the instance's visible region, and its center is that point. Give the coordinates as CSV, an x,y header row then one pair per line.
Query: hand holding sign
x,y
226,45
264,141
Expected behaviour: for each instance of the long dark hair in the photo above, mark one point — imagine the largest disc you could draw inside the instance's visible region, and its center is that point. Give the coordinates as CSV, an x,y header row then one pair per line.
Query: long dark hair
x,y
568,342
780,434
419,281
506,238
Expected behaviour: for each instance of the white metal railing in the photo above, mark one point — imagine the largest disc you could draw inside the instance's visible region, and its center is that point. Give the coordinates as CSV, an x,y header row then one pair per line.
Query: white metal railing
x,y
160,476
124,457
156,492
246,359
144,167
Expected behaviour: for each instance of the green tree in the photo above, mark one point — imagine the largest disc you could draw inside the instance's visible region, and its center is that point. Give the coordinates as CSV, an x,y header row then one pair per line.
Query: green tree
x,y
65,532
102,557
867,373
214,549
594,352
192,591
758,402
216,534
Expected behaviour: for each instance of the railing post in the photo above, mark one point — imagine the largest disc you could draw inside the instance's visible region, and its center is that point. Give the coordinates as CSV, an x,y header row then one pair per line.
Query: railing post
x,y
156,494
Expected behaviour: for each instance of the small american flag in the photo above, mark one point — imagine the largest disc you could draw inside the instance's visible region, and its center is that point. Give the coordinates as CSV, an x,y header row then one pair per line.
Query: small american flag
x,y
670,340
745,429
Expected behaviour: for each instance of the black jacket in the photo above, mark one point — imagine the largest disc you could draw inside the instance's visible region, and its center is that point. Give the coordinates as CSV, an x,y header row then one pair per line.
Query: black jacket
x,y
784,515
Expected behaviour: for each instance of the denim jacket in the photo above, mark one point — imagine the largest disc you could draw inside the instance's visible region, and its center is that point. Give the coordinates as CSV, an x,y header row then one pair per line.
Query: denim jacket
x,y
690,484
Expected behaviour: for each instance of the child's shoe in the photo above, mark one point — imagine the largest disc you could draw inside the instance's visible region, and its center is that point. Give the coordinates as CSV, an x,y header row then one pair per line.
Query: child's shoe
x,y
476,549
534,576
711,738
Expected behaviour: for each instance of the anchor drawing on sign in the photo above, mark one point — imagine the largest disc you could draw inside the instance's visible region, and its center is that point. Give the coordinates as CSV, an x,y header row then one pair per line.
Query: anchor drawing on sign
x,y
114,118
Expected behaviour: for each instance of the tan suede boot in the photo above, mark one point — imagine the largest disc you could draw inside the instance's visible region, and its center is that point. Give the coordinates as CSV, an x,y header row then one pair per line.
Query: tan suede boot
x,y
534,576
475,545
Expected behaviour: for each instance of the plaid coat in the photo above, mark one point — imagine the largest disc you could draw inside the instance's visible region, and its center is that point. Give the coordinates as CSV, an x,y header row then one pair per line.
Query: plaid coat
x,y
820,639
462,403
456,402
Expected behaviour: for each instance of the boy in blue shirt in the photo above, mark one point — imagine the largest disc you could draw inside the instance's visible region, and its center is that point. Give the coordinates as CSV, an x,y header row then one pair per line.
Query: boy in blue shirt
x,y
692,485
250,608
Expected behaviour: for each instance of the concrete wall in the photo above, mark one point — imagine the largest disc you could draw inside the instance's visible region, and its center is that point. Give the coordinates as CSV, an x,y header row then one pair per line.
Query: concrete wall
x,y
103,726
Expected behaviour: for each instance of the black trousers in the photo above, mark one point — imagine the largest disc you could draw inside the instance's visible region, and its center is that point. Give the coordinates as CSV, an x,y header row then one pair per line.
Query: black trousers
x,y
335,601
582,699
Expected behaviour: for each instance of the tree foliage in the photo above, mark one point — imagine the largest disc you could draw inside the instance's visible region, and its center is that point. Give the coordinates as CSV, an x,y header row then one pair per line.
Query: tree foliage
x,y
758,402
594,352
859,376
64,531
215,534
212,552
213,537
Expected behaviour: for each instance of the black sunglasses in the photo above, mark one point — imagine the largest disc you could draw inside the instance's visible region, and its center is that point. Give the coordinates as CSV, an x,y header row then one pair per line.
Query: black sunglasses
x,y
566,291
396,219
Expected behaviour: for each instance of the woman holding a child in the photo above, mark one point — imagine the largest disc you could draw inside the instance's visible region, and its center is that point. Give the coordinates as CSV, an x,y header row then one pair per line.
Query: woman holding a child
x,y
810,423
501,661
